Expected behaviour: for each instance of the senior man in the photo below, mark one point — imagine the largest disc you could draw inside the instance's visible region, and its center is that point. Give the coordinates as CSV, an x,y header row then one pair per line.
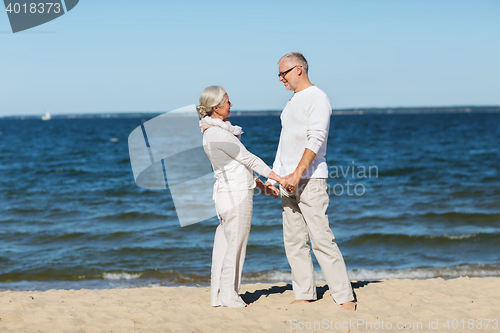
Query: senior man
x,y
305,122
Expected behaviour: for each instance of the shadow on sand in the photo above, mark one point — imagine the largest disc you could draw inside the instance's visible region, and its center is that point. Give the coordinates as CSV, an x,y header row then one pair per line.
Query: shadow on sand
x,y
252,297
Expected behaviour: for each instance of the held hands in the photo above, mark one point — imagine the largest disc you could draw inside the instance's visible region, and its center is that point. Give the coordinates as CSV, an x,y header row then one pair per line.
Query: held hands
x,y
291,181
271,190
267,188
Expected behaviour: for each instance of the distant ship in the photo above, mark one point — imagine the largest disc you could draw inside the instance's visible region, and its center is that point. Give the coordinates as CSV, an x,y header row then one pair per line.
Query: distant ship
x,y
46,116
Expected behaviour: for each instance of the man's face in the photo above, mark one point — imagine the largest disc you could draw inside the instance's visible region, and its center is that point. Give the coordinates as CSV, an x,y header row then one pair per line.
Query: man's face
x,y
290,79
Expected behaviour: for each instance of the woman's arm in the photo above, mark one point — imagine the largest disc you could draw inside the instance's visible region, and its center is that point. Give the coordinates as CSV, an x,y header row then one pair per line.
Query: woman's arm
x,y
233,148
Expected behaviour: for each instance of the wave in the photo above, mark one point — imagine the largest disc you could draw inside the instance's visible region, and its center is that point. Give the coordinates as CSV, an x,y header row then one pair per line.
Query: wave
x,y
379,274
411,170
426,272
443,221
121,279
402,240
476,217
70,170
120,276
133,216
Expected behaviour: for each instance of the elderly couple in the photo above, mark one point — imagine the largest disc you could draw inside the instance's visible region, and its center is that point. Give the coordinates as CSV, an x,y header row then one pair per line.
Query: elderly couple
x,y
300,169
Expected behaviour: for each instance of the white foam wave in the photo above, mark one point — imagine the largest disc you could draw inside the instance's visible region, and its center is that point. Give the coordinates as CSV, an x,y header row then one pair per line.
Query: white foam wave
x,y
268,276
464,236
379,274
120,276
424,273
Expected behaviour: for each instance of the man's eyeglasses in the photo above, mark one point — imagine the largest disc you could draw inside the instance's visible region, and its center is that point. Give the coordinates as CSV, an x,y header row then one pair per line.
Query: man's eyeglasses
x,y
282,74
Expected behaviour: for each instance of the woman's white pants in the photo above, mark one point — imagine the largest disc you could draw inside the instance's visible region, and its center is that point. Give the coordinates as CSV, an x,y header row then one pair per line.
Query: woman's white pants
x,y
231,237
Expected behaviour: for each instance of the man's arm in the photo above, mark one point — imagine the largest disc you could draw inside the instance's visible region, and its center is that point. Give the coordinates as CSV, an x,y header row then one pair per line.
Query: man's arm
x,y
293,179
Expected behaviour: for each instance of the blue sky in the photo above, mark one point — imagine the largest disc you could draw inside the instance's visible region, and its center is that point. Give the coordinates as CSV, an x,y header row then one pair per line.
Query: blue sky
x,y
157,55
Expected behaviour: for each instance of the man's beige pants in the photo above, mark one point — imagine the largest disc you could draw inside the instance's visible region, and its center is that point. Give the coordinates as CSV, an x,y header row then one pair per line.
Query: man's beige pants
x,y
304,218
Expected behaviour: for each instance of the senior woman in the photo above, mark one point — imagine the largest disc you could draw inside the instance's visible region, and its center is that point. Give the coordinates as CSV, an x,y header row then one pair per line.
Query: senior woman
x,y
233,168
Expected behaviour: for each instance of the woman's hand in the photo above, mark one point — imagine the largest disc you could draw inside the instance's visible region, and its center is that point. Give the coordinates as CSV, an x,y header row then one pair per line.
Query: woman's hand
x,y
267,188
271,190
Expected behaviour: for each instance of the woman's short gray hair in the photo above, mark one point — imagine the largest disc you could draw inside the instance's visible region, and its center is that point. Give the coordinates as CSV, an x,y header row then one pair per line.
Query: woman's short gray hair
x,y
296,57
210,97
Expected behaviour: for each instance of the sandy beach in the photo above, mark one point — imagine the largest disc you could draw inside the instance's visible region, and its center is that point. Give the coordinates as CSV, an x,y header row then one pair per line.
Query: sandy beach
x,y
457,305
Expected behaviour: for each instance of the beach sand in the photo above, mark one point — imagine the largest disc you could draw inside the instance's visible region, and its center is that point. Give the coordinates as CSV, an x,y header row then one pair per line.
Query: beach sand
x,y
432,305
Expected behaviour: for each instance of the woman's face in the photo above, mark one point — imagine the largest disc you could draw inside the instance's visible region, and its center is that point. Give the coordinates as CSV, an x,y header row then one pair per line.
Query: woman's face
x,y
223,111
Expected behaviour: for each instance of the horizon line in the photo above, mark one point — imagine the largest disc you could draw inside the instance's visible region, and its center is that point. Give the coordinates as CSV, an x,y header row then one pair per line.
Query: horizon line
x,y
350,110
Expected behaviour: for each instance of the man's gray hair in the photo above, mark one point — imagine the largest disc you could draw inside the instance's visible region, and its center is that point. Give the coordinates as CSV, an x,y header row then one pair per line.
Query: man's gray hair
x,y
295,57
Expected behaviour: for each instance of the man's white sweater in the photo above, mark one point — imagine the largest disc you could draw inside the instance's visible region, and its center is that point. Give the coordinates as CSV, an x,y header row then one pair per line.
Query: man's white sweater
x,y
305,122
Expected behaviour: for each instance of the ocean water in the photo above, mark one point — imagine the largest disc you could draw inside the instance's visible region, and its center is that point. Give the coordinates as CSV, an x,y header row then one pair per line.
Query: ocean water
x,y
411,196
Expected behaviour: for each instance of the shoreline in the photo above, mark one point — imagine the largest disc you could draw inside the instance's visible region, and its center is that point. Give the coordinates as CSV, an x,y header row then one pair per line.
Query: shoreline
x,y
124,280
187,308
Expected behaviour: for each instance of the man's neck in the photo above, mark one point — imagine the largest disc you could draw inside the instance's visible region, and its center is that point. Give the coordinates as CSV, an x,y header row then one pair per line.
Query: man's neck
x,y
303,85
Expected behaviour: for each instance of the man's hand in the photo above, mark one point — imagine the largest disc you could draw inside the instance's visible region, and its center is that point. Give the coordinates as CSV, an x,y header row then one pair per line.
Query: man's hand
x,y
271,190
291,181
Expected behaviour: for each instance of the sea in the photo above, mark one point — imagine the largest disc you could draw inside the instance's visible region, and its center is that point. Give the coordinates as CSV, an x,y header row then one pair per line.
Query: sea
x,y
411,196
